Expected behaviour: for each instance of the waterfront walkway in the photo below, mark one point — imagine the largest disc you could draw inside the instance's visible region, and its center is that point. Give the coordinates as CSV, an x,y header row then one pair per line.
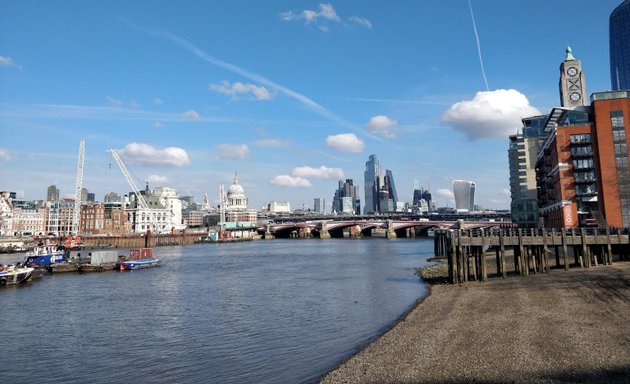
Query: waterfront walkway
x,y
556,327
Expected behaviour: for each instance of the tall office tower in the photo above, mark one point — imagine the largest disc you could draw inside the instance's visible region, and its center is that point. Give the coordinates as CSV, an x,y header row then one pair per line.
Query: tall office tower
x,y
91,197
346,199
522,154
572,82
611,112
53,193
464,192
620,46
372,182
319,205
84,195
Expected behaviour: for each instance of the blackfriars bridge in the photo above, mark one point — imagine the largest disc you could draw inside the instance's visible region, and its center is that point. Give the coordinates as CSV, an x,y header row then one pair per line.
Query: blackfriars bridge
x,y
390,228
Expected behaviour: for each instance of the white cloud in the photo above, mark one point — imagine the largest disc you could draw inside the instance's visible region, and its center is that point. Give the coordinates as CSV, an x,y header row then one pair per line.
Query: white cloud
x,y
347,142
157,101
323,16
504,192
490,114
289,181
360,21
114,102
191,115
158,124
145,154
134,104
227,151
446,194
238,88
4,155
272,143
5,61
157,179
381,125
322,172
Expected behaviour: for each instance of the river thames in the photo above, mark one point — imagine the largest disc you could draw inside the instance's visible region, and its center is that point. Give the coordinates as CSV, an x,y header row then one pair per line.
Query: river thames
x,y
279,311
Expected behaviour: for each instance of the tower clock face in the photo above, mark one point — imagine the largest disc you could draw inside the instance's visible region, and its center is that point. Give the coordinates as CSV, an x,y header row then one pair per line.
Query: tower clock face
x,y
572,71
575,96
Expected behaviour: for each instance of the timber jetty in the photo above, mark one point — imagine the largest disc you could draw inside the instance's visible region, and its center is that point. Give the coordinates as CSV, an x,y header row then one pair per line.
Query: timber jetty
x,y
533,250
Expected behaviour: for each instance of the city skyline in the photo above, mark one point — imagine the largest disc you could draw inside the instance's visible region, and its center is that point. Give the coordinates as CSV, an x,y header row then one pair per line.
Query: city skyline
x,y
292,96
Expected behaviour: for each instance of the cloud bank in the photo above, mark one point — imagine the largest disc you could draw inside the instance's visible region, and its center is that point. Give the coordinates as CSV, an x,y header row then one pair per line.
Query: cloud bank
x,y
290,181
322,172
145,154
382,125
347,142
227,151
491,114
4,155
238,88
324,16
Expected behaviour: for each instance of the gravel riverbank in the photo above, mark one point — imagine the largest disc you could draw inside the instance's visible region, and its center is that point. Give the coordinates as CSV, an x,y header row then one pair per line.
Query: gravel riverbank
x,y
558,327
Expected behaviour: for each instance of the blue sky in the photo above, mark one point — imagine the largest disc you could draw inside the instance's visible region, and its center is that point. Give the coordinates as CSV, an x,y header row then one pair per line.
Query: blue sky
x,y
291,95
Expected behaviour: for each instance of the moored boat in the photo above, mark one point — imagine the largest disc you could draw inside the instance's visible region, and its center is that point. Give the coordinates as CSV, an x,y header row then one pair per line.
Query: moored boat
x,y
15,274
139,258
45,254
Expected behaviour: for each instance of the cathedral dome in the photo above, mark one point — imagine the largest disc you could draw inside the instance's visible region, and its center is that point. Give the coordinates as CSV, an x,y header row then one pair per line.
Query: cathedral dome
x,y
236,198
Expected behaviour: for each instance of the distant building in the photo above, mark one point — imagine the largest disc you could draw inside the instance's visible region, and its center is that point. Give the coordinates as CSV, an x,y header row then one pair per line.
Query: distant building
x,y
464,192
371,178
237,210
346,198
422,197
112,197
619,28
319,205
278,208
91,197
92,219
6,214
28,222
52,193
84,195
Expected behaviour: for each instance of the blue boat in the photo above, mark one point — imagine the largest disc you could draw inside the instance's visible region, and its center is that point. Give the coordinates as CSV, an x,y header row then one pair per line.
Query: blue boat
x,y
45,254
138,258
138,264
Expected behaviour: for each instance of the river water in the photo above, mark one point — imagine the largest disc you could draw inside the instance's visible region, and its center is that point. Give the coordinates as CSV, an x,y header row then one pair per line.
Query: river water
x,y
279,311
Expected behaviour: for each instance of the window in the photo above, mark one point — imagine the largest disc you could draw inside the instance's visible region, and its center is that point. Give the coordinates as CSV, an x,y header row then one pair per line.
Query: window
x,y
581,138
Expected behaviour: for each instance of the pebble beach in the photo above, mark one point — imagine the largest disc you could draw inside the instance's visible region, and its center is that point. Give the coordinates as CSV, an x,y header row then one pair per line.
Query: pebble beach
x,y
558,327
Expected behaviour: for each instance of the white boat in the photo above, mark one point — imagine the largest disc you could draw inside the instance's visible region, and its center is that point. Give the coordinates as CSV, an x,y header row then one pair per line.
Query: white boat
x,y
14,274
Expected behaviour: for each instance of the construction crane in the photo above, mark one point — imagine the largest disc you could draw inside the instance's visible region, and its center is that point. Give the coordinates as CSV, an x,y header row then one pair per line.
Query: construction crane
x,y
139,197
76,214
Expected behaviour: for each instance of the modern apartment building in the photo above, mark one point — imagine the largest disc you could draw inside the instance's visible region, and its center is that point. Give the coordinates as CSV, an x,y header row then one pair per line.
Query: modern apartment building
x,y
612,119
522,154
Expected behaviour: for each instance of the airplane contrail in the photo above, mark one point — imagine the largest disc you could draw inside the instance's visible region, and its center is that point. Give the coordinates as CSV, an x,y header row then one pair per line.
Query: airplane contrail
x,y
183,43
483,72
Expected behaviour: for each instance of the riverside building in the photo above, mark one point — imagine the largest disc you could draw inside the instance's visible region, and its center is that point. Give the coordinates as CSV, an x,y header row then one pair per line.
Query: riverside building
x,y
522,155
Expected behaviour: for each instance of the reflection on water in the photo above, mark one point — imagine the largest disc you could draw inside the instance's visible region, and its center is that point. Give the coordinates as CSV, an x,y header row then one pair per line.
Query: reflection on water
x,y
253,312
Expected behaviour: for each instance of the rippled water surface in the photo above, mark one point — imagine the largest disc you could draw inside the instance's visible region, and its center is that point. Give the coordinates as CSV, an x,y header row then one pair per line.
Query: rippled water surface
x,y
281,311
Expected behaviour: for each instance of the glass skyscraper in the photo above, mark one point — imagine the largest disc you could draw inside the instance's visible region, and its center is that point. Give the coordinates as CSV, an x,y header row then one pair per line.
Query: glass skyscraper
x,y
371,179
620,47
464,192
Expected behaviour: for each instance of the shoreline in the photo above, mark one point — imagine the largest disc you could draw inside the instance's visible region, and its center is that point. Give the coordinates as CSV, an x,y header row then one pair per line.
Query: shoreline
x,y
555,327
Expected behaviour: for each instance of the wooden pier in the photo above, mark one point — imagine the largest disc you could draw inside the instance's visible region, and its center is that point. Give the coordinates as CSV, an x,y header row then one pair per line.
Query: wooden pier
x,y
527,251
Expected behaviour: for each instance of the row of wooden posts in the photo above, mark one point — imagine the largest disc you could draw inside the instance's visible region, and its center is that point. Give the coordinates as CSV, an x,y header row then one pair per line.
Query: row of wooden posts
x,y
467,250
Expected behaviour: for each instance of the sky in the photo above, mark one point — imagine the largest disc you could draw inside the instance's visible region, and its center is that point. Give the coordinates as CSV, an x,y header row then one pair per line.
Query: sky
x,y
291,96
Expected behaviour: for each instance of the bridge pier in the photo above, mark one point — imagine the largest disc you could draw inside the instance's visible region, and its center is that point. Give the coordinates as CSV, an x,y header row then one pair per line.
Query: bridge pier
x,y
268,235
323,232
391,233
